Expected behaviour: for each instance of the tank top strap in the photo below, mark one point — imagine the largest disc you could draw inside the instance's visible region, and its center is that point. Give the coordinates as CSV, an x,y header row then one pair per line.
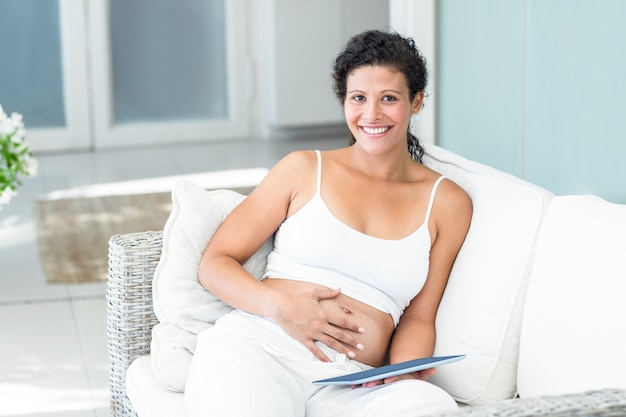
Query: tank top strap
x,y
432,198
319,172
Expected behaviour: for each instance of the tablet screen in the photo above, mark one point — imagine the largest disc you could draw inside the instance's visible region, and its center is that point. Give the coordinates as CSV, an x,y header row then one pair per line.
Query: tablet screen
x,y
389,370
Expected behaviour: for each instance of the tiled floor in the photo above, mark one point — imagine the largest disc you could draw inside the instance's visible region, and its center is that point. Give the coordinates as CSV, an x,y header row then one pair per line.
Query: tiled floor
x,y
53,357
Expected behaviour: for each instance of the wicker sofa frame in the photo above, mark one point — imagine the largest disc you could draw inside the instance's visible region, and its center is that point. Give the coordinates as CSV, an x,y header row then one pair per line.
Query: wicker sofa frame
x,y
133,258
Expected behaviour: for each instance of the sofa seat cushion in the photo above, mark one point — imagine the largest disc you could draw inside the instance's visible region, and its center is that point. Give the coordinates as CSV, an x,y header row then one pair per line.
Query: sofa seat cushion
x,y
148,396
574,328
480,313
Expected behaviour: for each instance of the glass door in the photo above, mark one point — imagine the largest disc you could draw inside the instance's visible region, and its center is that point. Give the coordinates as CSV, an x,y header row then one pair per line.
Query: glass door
x,y
43,74
166,71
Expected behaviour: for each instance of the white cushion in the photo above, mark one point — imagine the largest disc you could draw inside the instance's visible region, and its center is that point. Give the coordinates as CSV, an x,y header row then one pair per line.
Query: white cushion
x,y
181,304
148,397
574,328
480,313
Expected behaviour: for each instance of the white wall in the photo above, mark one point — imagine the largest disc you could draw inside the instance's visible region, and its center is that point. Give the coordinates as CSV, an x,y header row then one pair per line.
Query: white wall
x,y
295,43
417,19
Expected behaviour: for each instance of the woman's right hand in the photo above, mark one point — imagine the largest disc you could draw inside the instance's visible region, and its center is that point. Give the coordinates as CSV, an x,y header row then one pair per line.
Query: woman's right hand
x,y
302,316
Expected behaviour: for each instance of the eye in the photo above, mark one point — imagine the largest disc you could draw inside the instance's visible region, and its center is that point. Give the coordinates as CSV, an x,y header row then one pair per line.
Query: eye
x,y
358,98
389,98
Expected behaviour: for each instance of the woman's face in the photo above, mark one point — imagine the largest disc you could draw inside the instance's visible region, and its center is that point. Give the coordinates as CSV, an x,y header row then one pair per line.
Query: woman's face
x,y
378,108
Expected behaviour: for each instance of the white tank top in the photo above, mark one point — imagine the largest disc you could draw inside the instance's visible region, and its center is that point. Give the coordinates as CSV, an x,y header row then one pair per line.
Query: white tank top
x,y
314,246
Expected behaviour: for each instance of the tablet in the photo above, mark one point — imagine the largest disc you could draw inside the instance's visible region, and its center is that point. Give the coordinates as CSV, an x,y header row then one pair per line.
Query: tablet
x,y
386,371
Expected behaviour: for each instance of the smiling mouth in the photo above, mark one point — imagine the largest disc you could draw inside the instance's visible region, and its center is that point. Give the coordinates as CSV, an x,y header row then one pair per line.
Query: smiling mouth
x,y
375,130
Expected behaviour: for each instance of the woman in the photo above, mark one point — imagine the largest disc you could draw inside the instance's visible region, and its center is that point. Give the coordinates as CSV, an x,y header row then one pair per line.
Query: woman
x,y
365,238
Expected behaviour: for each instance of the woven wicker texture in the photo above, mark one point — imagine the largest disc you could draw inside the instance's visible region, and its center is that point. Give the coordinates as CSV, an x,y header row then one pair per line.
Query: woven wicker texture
x,y
605,403
133,258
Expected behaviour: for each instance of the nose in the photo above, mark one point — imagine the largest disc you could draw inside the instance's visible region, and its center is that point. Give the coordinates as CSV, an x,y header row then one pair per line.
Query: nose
x,y
372,112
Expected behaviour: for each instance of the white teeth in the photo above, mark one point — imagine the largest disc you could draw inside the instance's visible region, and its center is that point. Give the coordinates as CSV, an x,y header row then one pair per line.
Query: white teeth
x,y
375,130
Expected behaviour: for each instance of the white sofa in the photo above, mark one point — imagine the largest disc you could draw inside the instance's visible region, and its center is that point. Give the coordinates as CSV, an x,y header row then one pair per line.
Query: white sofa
x,y
536,300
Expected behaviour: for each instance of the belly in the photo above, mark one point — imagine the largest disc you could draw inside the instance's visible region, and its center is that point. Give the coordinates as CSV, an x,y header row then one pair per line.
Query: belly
x,y
378,325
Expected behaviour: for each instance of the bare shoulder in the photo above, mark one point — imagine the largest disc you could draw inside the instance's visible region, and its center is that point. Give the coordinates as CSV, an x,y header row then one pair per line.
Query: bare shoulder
x,y
298,157
452,193
286,181
453,205
291,169
267,206
448,191
296,162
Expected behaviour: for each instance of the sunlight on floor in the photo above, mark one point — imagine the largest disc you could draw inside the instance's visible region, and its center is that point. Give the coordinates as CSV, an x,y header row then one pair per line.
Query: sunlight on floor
x,y
15,231
211,180
22,399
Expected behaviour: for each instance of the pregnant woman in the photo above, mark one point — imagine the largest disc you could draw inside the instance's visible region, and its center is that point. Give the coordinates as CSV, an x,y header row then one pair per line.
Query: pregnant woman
x,y
365,237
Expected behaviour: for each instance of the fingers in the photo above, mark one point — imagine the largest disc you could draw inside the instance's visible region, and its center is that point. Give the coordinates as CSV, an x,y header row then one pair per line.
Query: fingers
x,y
311,320
339,318
370,384
336,339
330,336
326,293
342,321
421,375
343,342
318,353
393,379
335,342
426,373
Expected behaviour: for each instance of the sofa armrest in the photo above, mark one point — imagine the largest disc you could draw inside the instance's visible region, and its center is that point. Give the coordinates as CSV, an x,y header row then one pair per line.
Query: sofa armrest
x,y
608,402
133,258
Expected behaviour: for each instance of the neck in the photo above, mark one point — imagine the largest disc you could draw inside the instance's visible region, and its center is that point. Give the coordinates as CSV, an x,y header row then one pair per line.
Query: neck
x,y
391,165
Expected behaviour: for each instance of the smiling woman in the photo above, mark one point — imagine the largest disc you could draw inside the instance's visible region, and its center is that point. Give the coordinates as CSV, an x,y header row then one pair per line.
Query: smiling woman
x,y
405,61
364,239
378,105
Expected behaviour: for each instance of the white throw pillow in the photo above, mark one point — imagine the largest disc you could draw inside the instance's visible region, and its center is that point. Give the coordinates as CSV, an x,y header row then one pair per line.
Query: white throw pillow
x,y
480,313
574,328
181,304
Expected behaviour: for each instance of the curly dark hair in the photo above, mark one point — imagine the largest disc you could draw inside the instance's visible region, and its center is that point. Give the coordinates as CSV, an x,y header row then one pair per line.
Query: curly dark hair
x,y
387,49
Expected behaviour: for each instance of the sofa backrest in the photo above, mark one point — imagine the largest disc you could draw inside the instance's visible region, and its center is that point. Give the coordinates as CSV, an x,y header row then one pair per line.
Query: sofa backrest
x,y
480,313
574,327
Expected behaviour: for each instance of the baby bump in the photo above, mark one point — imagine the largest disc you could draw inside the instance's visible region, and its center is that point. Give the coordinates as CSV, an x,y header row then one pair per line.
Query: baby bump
x,y
378,327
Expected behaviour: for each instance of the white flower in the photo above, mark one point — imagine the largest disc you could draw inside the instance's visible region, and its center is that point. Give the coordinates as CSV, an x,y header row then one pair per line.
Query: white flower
x,y
18,136
6,195
20,148
6,127
15,156
17,120
31,166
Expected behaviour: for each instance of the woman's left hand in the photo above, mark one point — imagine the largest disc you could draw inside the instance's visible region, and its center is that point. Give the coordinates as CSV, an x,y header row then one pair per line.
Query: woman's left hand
x,y
423,375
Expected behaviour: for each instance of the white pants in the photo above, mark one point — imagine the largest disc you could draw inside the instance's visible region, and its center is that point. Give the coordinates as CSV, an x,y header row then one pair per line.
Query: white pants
x,y
248,366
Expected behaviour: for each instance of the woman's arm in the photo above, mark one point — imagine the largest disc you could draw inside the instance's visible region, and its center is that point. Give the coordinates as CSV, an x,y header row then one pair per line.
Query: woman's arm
x,y
241,234
286,188
415,335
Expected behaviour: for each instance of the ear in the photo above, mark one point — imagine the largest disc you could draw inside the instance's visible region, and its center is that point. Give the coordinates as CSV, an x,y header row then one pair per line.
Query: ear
x,y
418,103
